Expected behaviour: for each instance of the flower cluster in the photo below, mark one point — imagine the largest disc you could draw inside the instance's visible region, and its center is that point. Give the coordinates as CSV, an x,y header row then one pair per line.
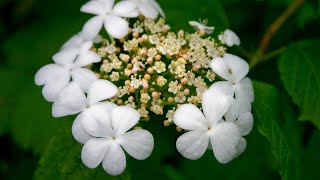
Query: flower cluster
x,y
144,69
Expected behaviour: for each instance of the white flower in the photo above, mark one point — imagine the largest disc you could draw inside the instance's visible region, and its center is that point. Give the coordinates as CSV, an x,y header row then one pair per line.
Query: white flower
x,y
233,69
206,129
106,134
149,8
72,99
229,38
108,16
68,64
200,26
78,39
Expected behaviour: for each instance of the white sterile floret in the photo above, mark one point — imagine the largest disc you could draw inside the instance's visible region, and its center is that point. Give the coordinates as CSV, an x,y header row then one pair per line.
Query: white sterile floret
x,y
233,69
149,8
72,99
205,127
109,16
229,38
200,26
107,134
68,65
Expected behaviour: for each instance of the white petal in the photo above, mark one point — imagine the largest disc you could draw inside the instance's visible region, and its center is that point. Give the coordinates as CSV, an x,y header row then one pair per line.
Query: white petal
x,y
231,38
50,73
55,78
219,67
245,123
215,105
158,7
101,90
241,147
237,66
237,108
107,5
148,10
92,7
92,27
84,77
78,132
244,89
87,58
189,117
94,151
71,100
193,144
225,87
138,143
199,26
116,26
66,56
123,119
224,139
74,41
126,9
96,120
114,161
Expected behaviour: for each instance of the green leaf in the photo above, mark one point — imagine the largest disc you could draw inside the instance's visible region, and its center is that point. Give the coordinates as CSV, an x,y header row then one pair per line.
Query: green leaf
x,y
299,68
306,14
62,161
32,124
311,160
269,114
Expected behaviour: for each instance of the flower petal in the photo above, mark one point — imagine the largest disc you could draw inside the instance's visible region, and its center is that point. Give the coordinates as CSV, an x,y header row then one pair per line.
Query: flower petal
x,y
101,90
148,10
114,161
94,151
237,108
230,67
93,7
215,105
189,117
137,143
158,7
126,9
108,4
193,144
50,73
225,87
78,132
66,56
241,147
123,119
74,41
96,120
244,89
84,77
92,27
245,123
116,26
231,38
224,139
86,58
71,100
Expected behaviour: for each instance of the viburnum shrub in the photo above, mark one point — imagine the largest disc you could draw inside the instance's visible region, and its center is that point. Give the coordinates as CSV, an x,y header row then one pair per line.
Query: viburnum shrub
x,y
142,68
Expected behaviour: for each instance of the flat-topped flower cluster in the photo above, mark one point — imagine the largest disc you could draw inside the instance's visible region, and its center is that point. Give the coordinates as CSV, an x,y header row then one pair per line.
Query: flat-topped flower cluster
x,y
143,68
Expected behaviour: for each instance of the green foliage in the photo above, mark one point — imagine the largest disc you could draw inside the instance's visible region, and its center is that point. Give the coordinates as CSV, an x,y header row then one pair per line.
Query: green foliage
x,y
268,114
311,162
61,160
299,67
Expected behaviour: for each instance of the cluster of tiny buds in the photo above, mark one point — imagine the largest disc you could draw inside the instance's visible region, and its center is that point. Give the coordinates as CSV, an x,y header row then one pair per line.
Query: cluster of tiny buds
x,y
157,70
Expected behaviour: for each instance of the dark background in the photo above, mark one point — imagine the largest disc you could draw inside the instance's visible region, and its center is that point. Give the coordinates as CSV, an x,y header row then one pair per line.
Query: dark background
x,y
31,31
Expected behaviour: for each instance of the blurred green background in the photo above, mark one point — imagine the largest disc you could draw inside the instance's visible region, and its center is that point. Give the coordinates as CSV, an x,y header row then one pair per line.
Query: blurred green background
x,y
285,141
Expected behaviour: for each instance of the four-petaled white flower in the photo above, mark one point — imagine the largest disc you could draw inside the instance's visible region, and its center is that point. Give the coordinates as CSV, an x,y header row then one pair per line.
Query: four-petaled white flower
x,y
229,38
200,26
233,69
104,134
110,16
68,65
207,129
72,99
149,8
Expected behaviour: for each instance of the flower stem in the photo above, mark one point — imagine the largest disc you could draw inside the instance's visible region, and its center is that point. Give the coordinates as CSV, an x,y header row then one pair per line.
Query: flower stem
x,y
260,56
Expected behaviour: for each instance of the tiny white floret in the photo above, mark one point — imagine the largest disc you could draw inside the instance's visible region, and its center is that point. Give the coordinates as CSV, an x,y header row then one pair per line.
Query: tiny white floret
x,y
229,38
200,26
